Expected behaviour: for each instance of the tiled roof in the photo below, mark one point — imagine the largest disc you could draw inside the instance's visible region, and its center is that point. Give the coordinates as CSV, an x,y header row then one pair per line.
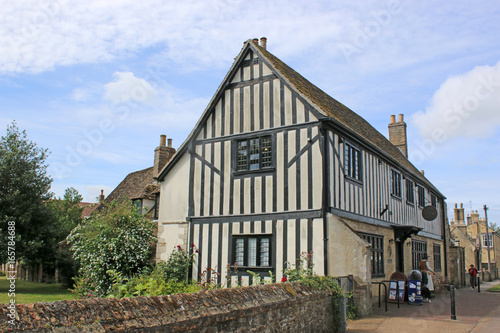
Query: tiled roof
x,y
136,185
88,208
342,115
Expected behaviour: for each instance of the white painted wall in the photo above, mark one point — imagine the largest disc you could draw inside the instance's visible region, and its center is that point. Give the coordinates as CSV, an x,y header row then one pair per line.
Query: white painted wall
x,y
174,193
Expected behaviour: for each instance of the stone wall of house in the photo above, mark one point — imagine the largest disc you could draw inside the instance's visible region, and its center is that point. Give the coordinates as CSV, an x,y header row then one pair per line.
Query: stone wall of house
x,y
277,307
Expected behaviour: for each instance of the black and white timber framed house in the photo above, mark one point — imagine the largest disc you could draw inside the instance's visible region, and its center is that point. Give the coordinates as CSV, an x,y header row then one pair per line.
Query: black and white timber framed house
x,y
275,167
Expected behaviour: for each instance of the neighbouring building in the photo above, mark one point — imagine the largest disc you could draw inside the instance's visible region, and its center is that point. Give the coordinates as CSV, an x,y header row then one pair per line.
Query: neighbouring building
x,y
141,187
470,233
275,167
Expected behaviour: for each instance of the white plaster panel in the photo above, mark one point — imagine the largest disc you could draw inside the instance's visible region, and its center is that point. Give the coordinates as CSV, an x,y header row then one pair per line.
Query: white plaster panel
x,y
265,113
266,70
236,109
246,110
175,192
258,195
288,106
279,172
276,103
247,197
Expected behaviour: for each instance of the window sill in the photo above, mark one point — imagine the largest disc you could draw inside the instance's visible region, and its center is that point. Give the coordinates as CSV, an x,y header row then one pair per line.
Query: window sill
x,y
251,172
244,268
396,197
354,180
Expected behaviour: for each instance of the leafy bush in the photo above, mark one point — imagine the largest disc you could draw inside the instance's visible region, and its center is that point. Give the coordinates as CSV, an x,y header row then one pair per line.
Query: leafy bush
x,y
303,273
148,284
115,238
178,264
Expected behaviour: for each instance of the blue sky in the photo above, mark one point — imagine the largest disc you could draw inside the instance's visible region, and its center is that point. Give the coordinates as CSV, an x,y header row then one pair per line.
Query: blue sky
x,y
97,82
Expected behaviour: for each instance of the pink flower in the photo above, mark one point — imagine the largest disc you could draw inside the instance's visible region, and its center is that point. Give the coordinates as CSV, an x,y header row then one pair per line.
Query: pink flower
x,y
196,251
283,279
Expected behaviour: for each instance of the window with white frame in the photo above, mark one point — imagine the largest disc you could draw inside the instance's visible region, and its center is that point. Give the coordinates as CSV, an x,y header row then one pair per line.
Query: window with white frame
x,y
487,243
352,162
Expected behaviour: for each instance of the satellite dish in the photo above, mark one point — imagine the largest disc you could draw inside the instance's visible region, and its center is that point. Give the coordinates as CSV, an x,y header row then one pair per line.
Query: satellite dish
x,y
429,213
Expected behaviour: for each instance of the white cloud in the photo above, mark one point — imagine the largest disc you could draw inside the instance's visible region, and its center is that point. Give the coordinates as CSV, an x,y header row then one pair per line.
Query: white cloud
x,y
464,105
126,87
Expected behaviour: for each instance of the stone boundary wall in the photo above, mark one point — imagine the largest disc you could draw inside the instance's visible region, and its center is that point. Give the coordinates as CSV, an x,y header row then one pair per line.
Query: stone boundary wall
x,y
276,307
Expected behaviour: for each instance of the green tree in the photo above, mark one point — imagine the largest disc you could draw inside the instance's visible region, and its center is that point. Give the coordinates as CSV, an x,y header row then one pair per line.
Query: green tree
x,y
115,238
68,215
24,187
68,211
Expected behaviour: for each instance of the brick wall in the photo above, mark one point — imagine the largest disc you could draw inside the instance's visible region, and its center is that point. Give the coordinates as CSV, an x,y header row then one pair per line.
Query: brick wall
x,y
277,307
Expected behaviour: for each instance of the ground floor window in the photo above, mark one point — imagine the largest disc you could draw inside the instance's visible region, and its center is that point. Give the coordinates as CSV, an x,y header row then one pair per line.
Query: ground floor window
x,y
418,249
437,257
377,253
252,251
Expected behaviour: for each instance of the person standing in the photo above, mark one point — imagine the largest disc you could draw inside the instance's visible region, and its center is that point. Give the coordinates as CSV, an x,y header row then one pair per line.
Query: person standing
x,y
425,268
472,276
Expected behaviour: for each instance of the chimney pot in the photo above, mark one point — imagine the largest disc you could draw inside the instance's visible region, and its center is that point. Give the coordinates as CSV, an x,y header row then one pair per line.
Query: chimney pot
x,y
461,205
163,140
263,42
397,134
455,205
422,172
256,41
170,143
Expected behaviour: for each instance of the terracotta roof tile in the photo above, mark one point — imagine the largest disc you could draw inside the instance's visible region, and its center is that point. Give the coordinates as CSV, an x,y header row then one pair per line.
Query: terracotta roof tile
x,y
136,185
342,115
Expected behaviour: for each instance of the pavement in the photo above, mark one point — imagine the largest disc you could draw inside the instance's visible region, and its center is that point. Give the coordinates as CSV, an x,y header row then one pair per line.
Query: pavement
x,y
475,312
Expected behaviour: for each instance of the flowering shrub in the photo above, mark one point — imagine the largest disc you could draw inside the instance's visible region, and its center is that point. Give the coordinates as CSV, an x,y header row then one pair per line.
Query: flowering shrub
x,y
116,238
83,288
178,264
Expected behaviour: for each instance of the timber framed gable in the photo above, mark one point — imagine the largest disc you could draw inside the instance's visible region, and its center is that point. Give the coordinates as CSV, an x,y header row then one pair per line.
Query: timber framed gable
x,y
273,167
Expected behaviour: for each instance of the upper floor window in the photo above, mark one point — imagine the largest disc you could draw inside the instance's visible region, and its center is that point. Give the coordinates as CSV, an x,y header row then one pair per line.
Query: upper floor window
x,y
421,196
138,203
395,183
433,200
254,154
352,162
487,243
410,191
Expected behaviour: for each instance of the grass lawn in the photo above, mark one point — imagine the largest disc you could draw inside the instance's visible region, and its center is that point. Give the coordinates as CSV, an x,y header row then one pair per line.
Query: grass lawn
x,y
495,288
30,292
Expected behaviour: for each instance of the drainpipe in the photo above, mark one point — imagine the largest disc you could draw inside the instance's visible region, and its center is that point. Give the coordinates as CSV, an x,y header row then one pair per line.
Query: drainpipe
x,y
443,211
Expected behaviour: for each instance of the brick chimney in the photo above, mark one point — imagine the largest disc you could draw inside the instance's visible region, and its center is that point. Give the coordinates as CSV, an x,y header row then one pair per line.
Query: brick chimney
x,y
163,154
397,134
459,215
101,197
263,42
